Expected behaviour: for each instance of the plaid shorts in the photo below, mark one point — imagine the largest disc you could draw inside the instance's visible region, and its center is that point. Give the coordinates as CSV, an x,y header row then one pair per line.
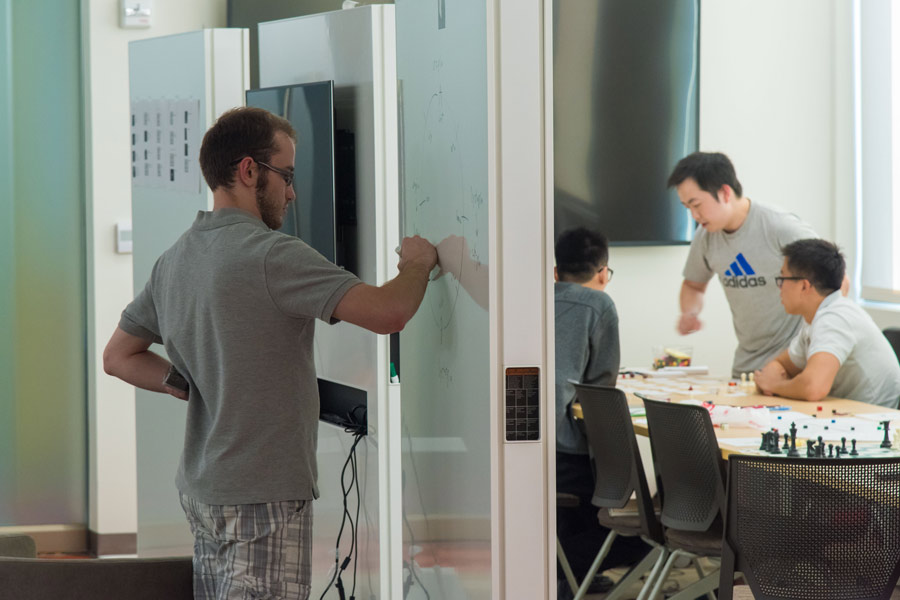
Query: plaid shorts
x,y
251,551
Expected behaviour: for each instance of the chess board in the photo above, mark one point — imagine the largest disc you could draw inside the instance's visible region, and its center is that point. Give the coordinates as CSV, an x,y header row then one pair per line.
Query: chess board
x,y
829,422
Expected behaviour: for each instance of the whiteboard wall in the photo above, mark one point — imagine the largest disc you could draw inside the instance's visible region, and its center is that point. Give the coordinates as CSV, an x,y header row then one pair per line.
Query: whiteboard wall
x,y
444,350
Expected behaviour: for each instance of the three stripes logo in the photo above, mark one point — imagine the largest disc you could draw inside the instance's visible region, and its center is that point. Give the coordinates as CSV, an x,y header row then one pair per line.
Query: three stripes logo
x,y
741,275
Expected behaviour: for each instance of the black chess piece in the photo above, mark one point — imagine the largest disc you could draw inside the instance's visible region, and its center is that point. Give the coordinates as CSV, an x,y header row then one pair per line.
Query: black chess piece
x,y
775,440
810,451
830,450
853,451
784,447
765,441
844,445
886,443
792,452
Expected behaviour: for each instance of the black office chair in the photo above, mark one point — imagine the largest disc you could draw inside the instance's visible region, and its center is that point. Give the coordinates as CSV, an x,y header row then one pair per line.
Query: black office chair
x,y
691,474
812,528
619,474
893,336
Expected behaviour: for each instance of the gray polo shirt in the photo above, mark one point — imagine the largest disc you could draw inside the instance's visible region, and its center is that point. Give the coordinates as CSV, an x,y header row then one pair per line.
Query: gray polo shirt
x,y
746,262
587,351
234,303
869,369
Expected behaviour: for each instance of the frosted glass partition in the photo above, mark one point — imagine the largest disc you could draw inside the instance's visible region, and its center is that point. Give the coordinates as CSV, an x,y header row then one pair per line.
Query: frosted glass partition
x,y
444,350
43,446
195,76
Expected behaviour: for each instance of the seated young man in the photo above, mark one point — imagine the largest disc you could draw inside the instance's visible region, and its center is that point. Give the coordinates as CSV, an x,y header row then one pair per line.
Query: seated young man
x,y
587,350
839,350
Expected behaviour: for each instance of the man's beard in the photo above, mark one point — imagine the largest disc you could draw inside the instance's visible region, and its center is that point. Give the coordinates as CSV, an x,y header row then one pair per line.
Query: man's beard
x,y
272,214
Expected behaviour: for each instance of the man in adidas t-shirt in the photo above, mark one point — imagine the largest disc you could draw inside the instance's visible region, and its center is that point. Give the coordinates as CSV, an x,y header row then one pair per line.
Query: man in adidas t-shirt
x,y
740,242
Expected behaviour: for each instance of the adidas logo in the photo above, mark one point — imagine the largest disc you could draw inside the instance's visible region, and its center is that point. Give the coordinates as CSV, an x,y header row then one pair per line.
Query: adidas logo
x,y
741,275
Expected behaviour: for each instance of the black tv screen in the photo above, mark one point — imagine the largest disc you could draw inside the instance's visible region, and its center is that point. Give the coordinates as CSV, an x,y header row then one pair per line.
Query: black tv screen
x,y
310,109
625,111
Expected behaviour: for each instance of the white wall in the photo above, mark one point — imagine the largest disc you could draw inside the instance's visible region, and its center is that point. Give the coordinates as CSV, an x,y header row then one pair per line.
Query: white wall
x,y
775,92
112,485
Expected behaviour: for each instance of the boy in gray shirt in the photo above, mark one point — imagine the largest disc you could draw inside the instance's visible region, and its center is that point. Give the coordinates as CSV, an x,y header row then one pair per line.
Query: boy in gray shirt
x,y
740,242
587,351
235,303
839,351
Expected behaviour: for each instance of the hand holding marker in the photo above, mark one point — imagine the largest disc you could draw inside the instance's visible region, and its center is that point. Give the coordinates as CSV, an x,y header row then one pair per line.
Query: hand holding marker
x,y
439,274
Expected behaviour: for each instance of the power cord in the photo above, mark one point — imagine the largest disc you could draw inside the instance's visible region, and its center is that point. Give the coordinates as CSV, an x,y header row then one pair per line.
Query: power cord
x,y
353,554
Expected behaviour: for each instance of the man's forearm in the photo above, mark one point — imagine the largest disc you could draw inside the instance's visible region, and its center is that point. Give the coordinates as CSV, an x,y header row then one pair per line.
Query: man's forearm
x,y
690,300
801,387
407,289
145,370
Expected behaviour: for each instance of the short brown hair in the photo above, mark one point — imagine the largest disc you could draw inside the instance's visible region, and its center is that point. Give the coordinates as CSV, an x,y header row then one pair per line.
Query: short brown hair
x,y
239,132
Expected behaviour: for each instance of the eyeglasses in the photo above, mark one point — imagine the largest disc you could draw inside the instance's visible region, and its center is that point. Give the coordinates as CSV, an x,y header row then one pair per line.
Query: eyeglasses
x,y
780,280
288,176
609,272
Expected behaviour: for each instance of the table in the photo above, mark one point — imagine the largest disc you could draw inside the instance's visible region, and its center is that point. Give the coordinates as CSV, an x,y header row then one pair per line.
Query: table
x,y
746,440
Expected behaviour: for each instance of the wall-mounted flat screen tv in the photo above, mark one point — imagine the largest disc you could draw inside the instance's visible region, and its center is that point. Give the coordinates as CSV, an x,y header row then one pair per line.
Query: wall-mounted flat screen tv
x,y
310,109
625,111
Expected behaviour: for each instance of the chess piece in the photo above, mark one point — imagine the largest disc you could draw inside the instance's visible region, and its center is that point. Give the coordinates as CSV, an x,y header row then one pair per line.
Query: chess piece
x,y
844,445
792,452
810,452
853,451
830,450
886,443
765,441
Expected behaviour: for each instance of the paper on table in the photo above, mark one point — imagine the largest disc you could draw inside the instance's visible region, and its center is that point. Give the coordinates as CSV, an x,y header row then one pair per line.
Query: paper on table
x,y
885,416
741,442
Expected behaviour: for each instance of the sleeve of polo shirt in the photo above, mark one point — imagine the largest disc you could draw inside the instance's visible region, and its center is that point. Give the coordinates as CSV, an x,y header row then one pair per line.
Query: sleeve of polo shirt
x,y
696,268
832,334
140,318
304,284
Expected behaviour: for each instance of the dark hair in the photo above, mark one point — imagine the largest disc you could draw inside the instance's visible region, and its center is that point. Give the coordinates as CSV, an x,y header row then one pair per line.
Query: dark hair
x,y
818,261
711,170
237,133
580,253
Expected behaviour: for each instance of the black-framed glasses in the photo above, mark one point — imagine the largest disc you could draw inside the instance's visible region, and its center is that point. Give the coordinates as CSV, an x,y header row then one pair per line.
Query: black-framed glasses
x,y
780,280
288,176
608,271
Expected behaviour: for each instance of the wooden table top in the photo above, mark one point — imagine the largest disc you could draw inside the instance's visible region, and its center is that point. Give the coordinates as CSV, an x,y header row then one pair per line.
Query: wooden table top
x,y
718,391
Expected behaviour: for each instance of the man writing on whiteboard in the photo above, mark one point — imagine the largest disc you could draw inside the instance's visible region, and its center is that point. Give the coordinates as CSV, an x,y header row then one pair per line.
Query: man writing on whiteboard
x,y
234,303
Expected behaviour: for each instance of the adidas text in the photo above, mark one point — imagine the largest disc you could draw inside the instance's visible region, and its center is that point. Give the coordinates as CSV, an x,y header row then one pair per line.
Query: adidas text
x,y
743,282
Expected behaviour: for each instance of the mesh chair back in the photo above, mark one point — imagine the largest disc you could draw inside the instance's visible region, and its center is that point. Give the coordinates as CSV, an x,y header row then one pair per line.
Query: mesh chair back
x,y
688,464
815,528
617,462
